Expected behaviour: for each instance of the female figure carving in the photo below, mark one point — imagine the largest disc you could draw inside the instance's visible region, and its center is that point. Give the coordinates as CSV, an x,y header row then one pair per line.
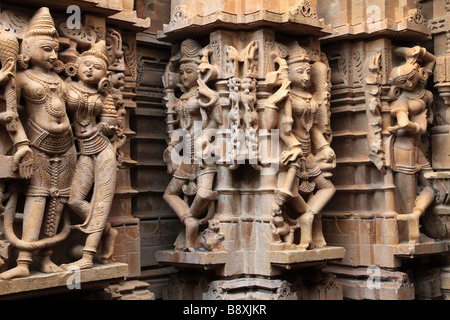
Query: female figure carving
x,y
294,111
409,113
50,139
96,167
195,105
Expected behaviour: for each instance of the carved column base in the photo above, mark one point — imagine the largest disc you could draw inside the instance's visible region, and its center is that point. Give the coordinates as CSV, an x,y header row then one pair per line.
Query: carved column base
x,y
373,283
375,241
67,282
131,290
262,263
309,285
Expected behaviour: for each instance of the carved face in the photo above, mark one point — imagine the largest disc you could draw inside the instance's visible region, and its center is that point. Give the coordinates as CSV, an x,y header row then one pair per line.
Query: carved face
x,y
91,70
189,75
300,74
406,76
44,53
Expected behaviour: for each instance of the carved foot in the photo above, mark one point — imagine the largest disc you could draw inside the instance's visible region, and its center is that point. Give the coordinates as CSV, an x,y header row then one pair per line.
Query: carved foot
x,y
83,263
20,271
47,266
305,222
319,243
413,225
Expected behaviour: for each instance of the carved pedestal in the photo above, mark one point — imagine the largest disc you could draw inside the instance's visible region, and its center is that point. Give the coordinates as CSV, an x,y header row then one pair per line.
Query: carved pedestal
x,y
81,283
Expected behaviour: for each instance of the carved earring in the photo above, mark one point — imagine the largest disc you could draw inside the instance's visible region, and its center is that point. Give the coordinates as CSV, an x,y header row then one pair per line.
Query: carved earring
x,y
71,69
58,67
23,61
104,85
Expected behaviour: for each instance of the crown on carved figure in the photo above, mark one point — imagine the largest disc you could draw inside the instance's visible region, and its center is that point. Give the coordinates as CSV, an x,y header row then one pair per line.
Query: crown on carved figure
x,y
41,24
190,51
98,50
297,54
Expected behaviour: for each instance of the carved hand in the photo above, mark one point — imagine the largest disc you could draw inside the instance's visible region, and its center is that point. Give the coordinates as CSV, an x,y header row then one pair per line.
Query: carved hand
x,y
326,155
23,161
291,155
281,93
167,158
106,129
6,72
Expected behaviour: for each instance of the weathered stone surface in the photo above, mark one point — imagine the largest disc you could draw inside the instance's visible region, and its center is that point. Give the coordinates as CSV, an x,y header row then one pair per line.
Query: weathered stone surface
x,y
39,283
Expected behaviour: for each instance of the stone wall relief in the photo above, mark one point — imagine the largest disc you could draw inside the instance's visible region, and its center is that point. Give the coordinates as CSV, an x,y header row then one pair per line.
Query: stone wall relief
x,y
192,116
66,130
411,117
299,109
402,153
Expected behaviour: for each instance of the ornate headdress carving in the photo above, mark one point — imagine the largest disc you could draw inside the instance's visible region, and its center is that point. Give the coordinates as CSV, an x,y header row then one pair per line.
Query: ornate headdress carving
x,y
99,51
297,54
190,51
41,26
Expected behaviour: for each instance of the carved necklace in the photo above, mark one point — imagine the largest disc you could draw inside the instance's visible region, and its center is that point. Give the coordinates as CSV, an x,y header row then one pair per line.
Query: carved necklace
x,y
185,114
86,106
307,117
50,84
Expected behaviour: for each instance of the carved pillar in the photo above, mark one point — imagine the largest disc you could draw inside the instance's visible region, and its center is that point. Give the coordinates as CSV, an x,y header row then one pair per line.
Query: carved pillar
x,y
230,224
437,222
364,216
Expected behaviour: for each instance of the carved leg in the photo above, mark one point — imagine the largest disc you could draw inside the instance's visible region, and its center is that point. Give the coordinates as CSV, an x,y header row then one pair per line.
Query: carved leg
x,y
325,192
317,233
108,239
46,265
305,222
33,216
175,202
81,185
204,195
423,201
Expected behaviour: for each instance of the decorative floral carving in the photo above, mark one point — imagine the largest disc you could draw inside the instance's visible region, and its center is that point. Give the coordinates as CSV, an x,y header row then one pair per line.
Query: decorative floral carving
x,y
304,9
181,13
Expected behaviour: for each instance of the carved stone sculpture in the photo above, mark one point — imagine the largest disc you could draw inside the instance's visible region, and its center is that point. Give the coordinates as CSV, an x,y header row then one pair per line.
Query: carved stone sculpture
x,y
50,138
410,112
86,106
196,115
87,99
295,112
